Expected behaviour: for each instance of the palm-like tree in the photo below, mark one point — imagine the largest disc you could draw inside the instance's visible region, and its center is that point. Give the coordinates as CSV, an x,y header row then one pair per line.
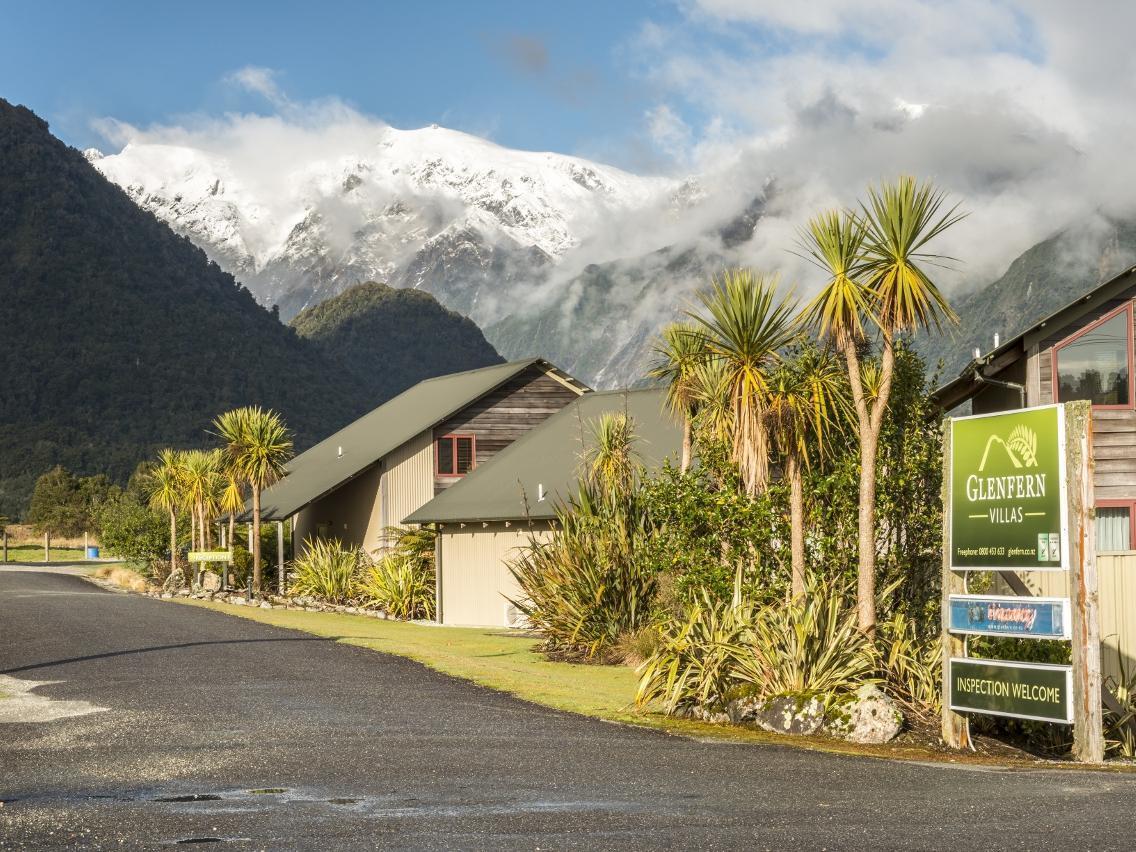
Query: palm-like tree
x,y
165,485
203,483
232,501
807,400
610,461
257,447
711,393
746,327
678,354
875,261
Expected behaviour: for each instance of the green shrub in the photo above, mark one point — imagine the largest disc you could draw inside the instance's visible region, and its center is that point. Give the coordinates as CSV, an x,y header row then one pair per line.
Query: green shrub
x,y
720,651
808,648
590,584
911,666
696,662
1120,727
327,570
400,586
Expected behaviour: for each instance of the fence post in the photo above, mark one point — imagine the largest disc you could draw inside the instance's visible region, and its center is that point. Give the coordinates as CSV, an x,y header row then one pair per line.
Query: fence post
x,y
47,547
280,557
5,536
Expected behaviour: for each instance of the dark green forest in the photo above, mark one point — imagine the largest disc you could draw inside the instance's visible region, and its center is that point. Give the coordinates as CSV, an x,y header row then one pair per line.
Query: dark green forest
x,y
387,339
118,337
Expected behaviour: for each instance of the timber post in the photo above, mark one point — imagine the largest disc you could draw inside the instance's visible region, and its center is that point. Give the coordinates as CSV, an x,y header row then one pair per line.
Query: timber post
x,y
956,731
280,557
1088,722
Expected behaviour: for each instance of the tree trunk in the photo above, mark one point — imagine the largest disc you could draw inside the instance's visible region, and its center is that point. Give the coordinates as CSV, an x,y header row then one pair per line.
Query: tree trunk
x,y
866,572
796,524
256,540
687,445
173,540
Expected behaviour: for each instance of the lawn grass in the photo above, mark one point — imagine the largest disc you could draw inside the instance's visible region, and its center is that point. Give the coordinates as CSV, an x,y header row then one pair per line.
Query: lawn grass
x,y
34,553
509,662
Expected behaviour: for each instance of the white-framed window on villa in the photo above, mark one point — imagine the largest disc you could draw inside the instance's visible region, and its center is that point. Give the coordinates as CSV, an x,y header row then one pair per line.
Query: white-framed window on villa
x,y
1096,362
1116,525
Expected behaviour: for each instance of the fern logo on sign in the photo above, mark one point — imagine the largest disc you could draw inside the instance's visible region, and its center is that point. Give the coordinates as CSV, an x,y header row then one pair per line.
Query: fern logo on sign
x,y
1007,488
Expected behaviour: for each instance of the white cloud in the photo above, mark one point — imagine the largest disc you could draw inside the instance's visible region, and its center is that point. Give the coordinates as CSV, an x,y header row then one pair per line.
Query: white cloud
x,y
260,81
1020,110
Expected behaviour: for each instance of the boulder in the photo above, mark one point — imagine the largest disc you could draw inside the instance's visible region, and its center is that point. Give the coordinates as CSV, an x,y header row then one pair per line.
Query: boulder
x,y
742,710
790,714
210,582
873,717
175,581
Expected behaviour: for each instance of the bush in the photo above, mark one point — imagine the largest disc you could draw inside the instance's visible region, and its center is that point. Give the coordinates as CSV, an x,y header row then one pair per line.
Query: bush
x,y
720,651
911,666
132,530
590,584
400,586
1120,727
327,571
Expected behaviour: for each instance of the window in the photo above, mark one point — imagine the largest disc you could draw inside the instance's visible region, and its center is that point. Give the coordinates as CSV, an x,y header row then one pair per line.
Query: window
x,y
1096,363
1115,526
454,455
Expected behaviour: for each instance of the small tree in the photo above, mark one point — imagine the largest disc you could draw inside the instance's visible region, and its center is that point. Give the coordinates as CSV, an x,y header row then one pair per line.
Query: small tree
x,y
257,447
746,328
807,398
678,353
875,260
57,507
167,492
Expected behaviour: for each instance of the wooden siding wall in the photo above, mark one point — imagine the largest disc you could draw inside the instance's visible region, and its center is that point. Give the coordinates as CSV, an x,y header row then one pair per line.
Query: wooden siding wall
x,y
1116,582
1114,430
501,417
409,477
476,581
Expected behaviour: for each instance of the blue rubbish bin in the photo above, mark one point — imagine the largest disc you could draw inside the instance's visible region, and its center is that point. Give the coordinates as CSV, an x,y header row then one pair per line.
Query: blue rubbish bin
x,y
92,553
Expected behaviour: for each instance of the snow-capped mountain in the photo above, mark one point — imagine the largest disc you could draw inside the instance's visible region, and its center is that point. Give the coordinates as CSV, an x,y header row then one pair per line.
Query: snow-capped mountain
x,y
433,208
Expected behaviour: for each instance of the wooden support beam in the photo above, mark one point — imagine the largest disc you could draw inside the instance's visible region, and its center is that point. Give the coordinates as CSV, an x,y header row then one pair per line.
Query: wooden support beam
x,y
956,732
1088,722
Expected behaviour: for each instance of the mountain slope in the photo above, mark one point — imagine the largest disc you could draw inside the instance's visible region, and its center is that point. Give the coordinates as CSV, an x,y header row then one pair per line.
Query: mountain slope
x,y
117,336
388,339
1042,280
431,208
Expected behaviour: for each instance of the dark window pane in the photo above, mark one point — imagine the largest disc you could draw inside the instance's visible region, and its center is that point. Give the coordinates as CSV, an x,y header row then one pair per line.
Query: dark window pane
x,y
445,449
1095,365
465,455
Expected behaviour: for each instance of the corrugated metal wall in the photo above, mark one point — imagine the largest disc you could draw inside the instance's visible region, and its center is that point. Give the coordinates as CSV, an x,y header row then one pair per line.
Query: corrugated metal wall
x,y
1116,582
409,478
351,511
476,581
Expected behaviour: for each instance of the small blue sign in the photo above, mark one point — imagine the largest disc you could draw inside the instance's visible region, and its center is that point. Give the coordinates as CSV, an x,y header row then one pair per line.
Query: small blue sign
x,y
987,615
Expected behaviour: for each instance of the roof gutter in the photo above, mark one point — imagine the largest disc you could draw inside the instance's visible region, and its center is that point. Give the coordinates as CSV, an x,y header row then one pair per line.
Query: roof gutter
x,y
1000,383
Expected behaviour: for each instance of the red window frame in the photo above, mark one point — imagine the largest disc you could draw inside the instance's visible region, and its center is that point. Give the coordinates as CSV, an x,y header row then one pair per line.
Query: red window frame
x,y
453,439
1130,505
1126,308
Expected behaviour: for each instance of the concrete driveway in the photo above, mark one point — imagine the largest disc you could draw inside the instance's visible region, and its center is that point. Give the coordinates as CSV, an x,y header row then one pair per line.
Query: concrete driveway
x,y
197,727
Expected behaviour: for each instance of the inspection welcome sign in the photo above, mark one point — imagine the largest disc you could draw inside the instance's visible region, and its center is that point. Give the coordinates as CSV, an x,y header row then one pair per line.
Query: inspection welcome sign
x,y
1007,491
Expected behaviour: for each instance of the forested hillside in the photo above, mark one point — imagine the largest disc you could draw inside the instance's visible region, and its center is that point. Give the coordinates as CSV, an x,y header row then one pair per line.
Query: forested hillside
x,y
387,339
118,337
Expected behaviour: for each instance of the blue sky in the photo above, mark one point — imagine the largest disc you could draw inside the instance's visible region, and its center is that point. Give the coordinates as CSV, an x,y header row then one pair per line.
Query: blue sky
x,y
535,75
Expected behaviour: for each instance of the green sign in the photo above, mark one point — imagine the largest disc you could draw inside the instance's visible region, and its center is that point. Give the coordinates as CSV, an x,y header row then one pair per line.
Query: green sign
x,y
210,556
1022,690
1007,491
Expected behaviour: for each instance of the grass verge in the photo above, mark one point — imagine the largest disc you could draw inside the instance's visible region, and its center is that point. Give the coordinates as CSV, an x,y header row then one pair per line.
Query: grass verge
x,y
34,553
510,663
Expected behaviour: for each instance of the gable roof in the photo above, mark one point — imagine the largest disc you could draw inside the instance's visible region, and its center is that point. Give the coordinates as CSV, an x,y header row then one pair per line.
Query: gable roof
x,y
359,445
548,457
971,378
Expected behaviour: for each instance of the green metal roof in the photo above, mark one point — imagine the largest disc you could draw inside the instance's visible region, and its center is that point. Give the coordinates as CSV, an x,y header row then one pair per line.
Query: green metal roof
x,y
357,446
546,461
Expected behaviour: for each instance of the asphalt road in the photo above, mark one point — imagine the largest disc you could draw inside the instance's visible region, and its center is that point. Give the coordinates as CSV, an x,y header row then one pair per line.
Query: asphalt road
x,y
223,730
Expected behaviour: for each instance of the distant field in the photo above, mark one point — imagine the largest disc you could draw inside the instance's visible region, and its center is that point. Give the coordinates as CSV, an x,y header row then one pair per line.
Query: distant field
x,y
34,553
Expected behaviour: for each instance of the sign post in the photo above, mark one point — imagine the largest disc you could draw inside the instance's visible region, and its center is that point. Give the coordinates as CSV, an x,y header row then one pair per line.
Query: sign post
x,y
1018,496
